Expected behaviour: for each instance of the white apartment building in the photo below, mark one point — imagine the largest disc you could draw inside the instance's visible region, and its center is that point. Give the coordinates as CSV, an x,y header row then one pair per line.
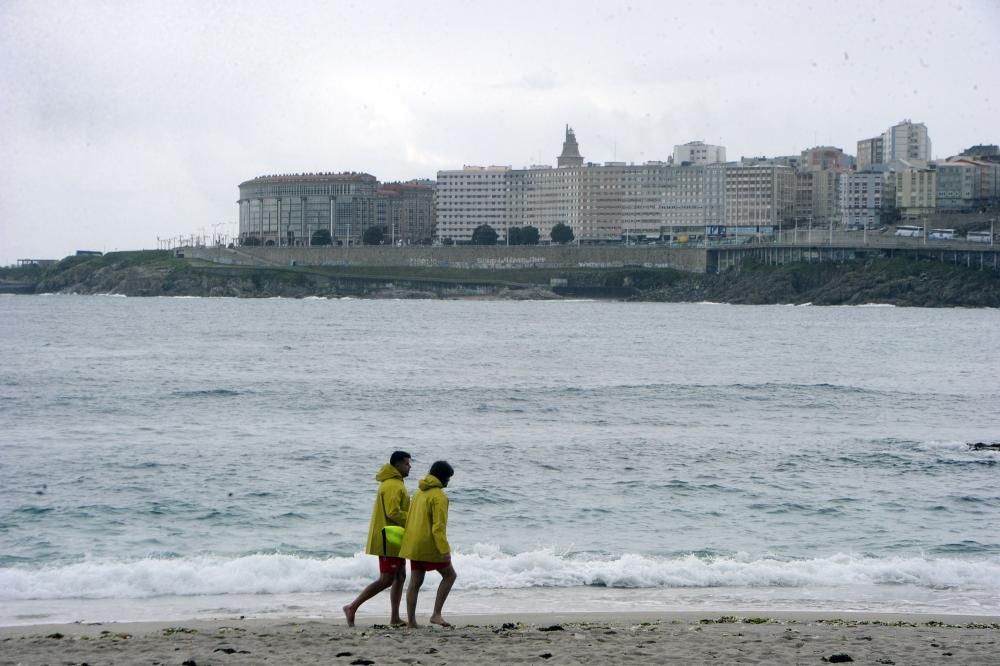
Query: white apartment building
x,y
468,197
864,198
906,141
615,201
600,203
697,153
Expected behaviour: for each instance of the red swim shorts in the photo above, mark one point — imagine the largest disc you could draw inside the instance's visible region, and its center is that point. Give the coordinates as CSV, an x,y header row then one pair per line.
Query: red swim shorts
x,y
417,565
390,564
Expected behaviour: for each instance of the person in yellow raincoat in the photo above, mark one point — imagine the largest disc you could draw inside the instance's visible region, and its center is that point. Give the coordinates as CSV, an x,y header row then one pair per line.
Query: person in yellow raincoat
x,y
425,542
392,502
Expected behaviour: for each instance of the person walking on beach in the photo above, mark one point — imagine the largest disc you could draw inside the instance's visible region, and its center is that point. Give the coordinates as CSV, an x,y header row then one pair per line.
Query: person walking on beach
x,y
392,502
425,542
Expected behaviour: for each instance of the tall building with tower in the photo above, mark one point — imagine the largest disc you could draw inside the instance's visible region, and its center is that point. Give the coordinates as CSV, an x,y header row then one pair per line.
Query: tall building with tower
x,y
570,156
620,201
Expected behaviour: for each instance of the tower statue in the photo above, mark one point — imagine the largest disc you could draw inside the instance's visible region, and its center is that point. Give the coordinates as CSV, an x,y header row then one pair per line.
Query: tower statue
x,y
570,152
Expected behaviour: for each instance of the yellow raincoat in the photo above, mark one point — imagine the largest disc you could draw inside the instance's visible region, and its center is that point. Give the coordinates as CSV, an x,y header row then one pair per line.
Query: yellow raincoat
x,y
426,537
392,503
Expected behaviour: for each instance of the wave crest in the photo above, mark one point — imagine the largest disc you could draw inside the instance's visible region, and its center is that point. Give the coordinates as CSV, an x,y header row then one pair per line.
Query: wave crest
x,y
485,567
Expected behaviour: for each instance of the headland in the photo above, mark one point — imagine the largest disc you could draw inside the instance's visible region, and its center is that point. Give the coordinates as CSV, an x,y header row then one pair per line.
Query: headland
x,y
902,280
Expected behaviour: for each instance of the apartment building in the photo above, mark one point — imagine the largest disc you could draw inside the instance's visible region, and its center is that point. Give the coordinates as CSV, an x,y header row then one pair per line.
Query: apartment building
x,y
411,215
816,196
989,179
468,197
697,153
821,158
906,140
758,196
685,193
615,201
958,186
869,152
289,209
916,190
865,197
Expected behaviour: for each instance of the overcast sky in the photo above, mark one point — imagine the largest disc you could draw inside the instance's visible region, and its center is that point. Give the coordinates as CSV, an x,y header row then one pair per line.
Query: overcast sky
x,y
127,121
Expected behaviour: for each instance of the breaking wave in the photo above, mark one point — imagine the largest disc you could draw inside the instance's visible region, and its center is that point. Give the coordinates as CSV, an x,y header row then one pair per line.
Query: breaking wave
x,y
486,567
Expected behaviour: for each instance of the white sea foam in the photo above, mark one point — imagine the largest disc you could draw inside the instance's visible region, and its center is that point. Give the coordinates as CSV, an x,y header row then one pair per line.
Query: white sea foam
x,y
486,567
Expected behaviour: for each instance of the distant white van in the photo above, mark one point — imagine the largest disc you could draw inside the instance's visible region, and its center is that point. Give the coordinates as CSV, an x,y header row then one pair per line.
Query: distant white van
x,y
979,237
915,232
941,234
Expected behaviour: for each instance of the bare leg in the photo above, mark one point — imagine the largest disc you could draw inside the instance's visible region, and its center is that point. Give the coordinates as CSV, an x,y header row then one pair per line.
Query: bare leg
x,y
416,580
396,595
448,577
350,610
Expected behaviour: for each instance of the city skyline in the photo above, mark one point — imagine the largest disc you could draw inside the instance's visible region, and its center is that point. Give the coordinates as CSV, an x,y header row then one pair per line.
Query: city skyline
x,y
128,123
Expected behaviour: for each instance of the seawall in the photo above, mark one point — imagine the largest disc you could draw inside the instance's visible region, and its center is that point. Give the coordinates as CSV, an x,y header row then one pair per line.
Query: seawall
x,y
467,257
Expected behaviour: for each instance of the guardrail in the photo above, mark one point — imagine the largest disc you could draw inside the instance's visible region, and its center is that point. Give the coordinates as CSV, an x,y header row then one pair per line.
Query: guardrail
x,y
846,239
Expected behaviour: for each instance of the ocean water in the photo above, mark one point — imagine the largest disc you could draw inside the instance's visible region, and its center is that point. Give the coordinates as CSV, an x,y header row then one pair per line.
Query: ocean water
x,y
181,457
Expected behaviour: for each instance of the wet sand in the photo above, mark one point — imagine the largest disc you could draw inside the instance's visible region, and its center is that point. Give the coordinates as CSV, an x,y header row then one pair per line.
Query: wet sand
x,y
632,638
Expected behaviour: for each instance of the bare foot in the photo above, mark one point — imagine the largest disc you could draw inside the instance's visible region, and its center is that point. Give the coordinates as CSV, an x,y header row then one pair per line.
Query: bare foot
x,y
396,622
412,625
349,614
437,619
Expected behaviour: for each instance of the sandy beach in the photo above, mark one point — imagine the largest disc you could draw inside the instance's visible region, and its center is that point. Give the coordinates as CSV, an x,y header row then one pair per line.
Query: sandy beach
x,y
675,638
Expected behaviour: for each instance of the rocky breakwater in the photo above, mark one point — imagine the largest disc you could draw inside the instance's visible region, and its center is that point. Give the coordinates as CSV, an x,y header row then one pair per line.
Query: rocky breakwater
x,y
898,281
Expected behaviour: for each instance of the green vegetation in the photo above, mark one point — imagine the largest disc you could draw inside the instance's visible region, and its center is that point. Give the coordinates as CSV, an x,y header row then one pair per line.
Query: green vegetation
x,y
561,233
373,235
484,234
321,237
522,235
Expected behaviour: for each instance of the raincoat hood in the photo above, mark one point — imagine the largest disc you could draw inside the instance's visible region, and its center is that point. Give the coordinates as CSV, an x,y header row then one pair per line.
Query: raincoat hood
x,y
430,481
388,472
426,536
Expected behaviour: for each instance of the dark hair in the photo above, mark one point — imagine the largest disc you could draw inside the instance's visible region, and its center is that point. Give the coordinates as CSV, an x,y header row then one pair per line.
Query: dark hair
x,y
442,470
398,456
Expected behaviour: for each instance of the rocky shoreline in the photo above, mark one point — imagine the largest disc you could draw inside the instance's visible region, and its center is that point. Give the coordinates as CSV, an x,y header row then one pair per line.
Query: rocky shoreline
x,y
901,282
